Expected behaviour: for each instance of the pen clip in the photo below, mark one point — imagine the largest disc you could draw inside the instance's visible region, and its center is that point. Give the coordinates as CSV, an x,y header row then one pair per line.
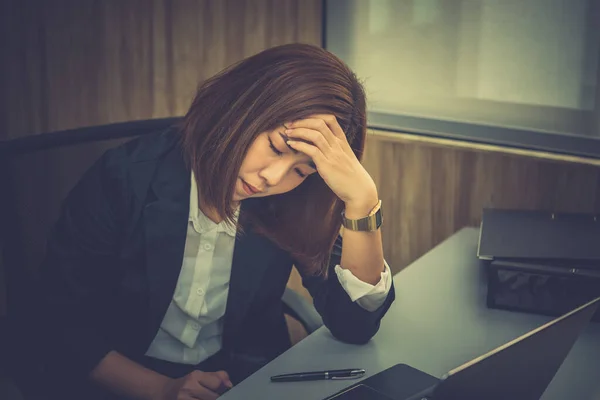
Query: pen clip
x,y
353,375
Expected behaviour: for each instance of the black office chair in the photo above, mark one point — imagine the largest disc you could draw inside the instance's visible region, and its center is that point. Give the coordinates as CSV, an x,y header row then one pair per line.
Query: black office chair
x,y
36,173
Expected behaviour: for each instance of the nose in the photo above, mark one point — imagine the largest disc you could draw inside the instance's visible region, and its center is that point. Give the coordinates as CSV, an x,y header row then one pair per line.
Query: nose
x,y
274,173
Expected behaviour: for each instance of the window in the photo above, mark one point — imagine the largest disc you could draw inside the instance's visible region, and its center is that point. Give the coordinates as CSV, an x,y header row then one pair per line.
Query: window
x,y
517,72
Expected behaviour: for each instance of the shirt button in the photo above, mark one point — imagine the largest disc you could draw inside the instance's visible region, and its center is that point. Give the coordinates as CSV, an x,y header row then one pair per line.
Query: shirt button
x,y
200,292
207,246
195,326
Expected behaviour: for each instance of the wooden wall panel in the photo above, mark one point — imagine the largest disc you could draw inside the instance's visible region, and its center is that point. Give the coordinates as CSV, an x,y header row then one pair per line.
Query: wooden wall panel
x,y
429,191
72,63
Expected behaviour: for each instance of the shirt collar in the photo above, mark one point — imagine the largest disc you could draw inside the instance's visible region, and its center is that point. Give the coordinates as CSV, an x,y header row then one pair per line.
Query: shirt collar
x,y
201,222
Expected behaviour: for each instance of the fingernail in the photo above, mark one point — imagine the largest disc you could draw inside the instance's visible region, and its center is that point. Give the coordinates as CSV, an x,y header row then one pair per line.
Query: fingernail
x,y
229,384
288,131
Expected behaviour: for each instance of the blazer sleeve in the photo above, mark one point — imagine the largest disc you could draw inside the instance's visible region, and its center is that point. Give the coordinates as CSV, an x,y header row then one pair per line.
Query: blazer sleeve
x,y
347,321
81,265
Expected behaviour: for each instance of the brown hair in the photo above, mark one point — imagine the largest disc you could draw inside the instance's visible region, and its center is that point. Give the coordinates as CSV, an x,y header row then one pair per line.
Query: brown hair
x,y
258,94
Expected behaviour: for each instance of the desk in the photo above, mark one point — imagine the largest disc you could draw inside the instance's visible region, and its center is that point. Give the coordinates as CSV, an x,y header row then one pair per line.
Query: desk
x,y
438,321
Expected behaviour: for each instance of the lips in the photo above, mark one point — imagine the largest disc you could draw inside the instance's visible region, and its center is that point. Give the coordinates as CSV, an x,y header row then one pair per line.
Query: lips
x,y
249,189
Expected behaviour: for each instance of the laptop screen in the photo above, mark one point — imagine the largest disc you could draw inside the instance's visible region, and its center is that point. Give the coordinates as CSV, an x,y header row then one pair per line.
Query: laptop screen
x,y
522,368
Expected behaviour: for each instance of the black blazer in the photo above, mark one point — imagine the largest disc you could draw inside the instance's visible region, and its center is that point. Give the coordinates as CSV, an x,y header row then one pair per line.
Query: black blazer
x,y
114,256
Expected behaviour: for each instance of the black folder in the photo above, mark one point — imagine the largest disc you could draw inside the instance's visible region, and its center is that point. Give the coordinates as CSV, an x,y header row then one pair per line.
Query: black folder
x,y
538,261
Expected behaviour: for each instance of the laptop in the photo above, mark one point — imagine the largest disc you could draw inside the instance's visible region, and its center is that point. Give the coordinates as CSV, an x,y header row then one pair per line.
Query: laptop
x,y
521,369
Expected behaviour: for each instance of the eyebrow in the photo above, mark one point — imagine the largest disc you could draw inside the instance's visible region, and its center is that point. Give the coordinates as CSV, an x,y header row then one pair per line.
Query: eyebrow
x,y
285,139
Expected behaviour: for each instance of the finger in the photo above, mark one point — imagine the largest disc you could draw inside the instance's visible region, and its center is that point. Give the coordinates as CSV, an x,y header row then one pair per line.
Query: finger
x,y
310,150
316,124
224,378
334,125
310,135
337,130
207,379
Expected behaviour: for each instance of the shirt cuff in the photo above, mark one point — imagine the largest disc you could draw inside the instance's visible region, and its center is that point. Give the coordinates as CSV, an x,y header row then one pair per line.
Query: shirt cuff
x,y
370,297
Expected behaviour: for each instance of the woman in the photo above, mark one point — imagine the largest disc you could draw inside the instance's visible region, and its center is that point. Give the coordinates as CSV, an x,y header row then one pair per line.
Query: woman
x,y
164,274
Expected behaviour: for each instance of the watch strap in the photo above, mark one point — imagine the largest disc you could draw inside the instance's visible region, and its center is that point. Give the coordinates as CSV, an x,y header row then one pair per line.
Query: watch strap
x,y
370,223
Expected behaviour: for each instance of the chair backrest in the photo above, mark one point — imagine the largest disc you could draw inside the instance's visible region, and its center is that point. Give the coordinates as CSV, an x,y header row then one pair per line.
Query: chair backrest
x,y
36,174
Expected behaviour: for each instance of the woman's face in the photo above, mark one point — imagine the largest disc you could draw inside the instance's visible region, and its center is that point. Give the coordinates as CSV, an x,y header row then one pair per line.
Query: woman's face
x,y
271,167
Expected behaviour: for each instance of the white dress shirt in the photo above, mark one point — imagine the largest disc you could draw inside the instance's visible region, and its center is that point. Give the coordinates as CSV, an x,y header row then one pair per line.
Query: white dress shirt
x,y
191,330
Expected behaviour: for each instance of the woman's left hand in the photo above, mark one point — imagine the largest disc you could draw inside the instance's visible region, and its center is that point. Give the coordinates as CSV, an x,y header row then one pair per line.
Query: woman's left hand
x,y
334,159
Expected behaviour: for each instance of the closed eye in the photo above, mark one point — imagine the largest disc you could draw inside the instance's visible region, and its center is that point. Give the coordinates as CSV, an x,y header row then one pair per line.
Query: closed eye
x,y
279,153
274,148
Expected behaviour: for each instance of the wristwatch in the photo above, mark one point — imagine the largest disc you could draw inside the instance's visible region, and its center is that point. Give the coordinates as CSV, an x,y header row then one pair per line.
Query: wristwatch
x,y
370,223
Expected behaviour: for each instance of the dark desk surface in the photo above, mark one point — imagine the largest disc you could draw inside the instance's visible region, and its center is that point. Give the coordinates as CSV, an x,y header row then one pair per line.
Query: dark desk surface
x,y
438,321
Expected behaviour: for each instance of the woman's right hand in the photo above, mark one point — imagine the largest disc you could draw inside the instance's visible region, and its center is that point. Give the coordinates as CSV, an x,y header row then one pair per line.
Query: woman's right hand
x,y
195,385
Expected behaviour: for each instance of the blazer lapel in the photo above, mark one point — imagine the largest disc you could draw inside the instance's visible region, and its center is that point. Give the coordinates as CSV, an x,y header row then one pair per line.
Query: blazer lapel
x,y
166,220
252,256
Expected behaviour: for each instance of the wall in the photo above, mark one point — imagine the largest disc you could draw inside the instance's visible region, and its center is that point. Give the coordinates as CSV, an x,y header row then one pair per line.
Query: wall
x,y
432,188
71,63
